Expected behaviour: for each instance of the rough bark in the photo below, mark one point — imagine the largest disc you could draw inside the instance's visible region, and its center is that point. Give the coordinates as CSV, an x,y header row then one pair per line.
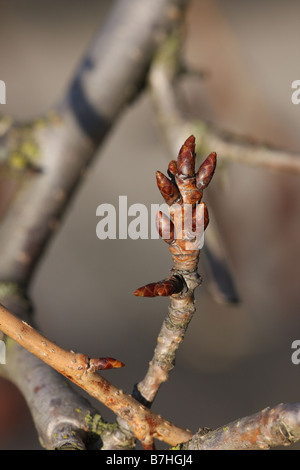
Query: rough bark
x,y
268,428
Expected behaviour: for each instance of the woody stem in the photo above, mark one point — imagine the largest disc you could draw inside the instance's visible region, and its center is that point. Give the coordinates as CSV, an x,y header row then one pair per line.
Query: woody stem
x,y
144,423
172,333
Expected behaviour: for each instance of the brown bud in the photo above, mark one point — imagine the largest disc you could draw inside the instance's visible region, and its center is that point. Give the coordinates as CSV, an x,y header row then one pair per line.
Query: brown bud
x,y
146,291
165,227
172,169
168,189
173,285
186,158
200,217
206,171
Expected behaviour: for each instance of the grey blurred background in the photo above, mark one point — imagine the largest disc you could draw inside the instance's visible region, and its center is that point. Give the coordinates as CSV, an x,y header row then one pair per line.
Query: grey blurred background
x,y
235,360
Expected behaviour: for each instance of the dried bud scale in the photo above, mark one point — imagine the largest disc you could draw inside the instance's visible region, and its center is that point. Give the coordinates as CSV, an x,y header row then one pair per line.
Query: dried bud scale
x,y
104,363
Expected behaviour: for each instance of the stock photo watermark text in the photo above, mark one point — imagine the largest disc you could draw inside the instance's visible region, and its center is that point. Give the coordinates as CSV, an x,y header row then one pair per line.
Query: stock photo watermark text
x,y
296,354
296,94
2,352
2,92
138,222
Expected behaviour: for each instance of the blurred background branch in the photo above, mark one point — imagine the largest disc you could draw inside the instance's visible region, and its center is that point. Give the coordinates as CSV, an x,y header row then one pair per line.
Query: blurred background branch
x,y
55,149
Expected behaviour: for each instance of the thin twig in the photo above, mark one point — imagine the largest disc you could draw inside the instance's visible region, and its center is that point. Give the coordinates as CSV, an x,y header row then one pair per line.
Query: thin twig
x,y
169,339
175,126
183,191
247,151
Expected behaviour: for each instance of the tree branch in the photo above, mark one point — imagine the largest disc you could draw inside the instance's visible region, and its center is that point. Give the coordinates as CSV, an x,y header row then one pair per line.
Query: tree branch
x,y
175,125
63,418
268,428
64,141
55,407
81,370
182,192
53,151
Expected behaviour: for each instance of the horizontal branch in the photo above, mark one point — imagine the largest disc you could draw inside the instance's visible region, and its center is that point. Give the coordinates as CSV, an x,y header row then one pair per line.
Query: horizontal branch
x,y
144,424
62,418
271,427
249,152
61,415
